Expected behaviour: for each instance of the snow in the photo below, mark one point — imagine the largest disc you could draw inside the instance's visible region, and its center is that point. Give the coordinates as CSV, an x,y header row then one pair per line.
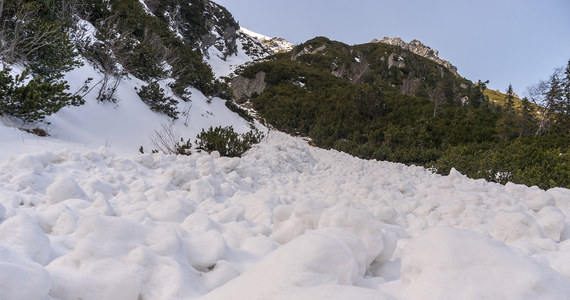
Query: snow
x,y
286,221
275,44
444,257
123,126
256,35
225,66
84,216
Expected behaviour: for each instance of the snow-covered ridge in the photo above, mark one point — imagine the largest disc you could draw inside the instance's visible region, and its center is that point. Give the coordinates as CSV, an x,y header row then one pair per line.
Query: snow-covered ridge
x,y
251,46
276,44
286,221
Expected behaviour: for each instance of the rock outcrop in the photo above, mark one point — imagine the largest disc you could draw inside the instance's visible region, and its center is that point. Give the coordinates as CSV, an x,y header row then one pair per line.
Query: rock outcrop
x,y
244,87
274,44
200,23
418,48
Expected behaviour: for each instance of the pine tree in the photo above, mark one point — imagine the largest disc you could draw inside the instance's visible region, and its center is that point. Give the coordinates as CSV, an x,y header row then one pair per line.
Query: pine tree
x,y
510,98
34,100
527,121
153,96
554,100
565,101
507,125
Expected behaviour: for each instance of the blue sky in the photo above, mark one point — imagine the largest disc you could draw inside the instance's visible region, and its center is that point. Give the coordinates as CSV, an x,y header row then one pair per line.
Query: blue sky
x,y
503,41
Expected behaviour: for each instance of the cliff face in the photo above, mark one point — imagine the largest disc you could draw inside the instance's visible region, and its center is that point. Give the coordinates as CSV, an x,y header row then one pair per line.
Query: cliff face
x,y
200,23
418,48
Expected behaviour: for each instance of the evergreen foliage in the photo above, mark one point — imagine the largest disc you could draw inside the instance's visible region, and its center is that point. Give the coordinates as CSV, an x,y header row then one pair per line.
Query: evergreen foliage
x,y
35,33
226,141
153,96
349,98
34,100
231,105
145,45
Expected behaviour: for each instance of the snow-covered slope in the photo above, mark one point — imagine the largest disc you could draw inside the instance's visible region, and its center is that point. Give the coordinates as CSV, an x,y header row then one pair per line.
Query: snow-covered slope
x,y
250,46
123,126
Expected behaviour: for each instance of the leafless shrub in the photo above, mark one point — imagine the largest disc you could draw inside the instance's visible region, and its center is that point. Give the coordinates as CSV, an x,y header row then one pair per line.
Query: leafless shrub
x,y
186,115
168,141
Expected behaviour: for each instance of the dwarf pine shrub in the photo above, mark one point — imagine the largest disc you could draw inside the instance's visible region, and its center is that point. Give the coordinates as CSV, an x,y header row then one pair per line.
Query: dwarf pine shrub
x,y
153,96
36,99
226,141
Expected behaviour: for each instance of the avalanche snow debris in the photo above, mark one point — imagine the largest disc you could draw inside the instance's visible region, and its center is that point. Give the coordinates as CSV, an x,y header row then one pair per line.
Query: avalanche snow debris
x,y
284,221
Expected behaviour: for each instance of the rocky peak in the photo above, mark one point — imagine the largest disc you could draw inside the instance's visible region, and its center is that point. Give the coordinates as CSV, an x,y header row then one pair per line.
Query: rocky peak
x,y
418,48
275,44
200,23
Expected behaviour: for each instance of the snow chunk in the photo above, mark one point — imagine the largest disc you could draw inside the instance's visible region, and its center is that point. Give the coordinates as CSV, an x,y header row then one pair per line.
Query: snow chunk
x,y
291,222
540,201
551,220
300,268
22,234
65,188
446,263
205,248
512,226
359,222
21,278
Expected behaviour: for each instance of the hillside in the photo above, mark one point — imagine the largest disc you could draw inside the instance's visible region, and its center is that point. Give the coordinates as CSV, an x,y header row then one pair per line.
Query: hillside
x,y
499,98
94,91
381,101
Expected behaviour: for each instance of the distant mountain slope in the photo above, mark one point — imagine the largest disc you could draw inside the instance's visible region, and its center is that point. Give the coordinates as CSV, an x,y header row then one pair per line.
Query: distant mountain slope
x,y
384,102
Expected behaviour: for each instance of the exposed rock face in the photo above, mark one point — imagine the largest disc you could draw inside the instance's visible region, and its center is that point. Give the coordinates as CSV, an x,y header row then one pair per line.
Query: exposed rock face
x,y
201,23
244,87
308,50
418,48
394,61
274,45
278,44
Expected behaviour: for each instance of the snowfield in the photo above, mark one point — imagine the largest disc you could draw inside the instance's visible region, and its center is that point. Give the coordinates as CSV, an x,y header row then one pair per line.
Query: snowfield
x,y
286,221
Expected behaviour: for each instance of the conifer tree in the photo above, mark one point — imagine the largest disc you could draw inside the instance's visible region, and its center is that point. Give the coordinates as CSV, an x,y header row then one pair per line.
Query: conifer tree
x,y
564,117
527,120
554,100
509,105
507,125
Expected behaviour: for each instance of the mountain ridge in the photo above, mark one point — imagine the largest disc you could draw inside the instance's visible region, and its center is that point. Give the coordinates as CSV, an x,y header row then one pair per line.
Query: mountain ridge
x,y
419,48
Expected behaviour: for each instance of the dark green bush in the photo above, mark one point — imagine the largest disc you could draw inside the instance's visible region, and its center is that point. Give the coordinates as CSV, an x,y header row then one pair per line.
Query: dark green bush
x,y
226,141
231,105
35,34
35,100
153,96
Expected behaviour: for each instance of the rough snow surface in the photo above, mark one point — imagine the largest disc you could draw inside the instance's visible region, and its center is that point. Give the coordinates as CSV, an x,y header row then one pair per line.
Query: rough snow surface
x,y
286,221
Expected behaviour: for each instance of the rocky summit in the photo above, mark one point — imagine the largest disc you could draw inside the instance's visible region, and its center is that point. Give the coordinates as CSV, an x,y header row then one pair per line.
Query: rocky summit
x,y
418,48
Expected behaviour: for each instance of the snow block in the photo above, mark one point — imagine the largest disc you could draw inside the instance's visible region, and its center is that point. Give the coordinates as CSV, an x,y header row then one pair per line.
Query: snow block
x,y
447,263
64,188
22,279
